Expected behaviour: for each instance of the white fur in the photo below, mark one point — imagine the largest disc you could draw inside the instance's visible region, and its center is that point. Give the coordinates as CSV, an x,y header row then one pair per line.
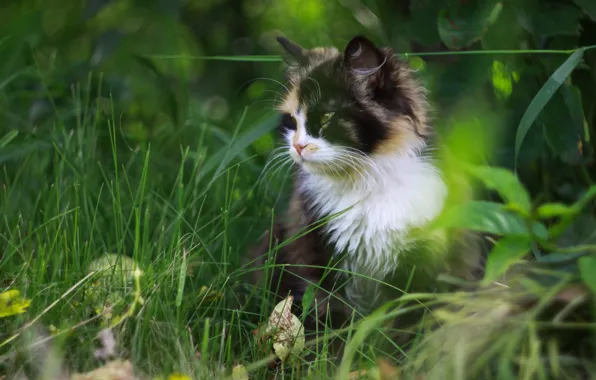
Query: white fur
x,y
390,195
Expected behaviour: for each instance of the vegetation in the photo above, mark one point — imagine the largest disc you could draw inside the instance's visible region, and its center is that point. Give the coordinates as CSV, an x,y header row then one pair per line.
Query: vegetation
x,y
133,138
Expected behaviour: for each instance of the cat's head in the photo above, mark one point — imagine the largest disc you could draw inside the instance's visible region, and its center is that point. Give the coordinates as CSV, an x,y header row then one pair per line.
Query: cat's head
x,y
343,108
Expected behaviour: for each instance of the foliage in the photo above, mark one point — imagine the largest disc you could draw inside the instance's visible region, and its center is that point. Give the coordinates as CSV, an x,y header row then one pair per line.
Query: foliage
x,y
138,128
11,303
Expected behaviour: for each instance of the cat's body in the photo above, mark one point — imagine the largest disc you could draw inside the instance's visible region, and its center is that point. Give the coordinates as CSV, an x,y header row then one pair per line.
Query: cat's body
x,y
356,126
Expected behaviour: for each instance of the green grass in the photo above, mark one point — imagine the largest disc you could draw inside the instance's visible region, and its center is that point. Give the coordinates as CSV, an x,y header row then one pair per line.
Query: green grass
x,y
85,191
81,188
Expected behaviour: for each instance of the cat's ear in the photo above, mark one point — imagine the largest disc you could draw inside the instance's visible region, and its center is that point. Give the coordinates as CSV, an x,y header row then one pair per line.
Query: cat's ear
x,y
364,60
296,52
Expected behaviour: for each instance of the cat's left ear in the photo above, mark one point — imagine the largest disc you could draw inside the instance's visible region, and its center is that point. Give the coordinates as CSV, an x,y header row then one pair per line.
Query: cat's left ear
x,y
295,51
364,60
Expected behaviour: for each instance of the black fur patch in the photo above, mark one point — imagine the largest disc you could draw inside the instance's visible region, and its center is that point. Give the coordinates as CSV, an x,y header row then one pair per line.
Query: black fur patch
x,y
288,122
370,130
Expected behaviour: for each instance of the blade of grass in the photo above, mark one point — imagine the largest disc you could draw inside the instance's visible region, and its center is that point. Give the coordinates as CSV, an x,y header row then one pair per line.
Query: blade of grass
x,y
225,156
543,96
278,58
4,141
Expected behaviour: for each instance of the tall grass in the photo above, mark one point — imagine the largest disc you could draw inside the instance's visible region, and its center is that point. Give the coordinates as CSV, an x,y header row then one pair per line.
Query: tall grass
x,y
78,188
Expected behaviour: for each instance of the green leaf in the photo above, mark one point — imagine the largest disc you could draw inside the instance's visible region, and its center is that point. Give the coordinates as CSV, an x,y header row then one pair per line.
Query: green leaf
x,y
562,131
588,6
506,184
423,14
465,23
487,217
555,21
572,219
587,270
553,210
506,252
11,303
308,297
573,100
543,96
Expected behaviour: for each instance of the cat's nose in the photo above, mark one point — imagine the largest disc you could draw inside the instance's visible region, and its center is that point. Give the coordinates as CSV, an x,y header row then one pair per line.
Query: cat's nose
x,y
298,148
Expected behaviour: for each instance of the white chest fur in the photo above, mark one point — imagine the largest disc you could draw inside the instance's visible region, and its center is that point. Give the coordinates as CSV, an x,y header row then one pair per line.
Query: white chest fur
x,y
378,210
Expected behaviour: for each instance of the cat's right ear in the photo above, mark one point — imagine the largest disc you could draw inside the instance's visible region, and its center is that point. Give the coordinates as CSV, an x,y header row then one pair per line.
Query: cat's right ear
x,y
294,51
365,61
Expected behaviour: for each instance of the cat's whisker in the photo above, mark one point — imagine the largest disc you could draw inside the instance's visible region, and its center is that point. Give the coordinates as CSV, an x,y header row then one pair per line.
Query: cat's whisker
x,y
366,178
274,156
271,175
276,93
271,163
284,163
274,164
362,157
262,78
284,179
272,103
335,164
362,161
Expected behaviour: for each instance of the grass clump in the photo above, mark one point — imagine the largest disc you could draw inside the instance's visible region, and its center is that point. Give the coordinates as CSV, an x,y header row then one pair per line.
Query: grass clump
x,y
114,248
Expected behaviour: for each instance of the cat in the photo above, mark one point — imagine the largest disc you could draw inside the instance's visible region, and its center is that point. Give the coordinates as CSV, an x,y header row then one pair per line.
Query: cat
x,y
355,123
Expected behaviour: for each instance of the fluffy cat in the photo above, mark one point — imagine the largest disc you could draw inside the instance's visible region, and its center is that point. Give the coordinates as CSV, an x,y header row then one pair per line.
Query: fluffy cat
x,y
355,124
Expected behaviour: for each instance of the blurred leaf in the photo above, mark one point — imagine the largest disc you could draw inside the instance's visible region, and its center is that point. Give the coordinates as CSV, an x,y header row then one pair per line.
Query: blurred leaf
x,y
552,210
209,295
93,7
11,303
506,252
552,20
165,84
506,184
504,34
387,371
178,376
8,137
503,78
588,6
423,14
17,151
106,45
239,372
487,217
582,230
561,130
575,221
12,77
587,270
465,23
543,96
573,100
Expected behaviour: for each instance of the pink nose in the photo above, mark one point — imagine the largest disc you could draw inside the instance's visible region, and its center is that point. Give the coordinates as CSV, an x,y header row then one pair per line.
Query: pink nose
x,y
298,148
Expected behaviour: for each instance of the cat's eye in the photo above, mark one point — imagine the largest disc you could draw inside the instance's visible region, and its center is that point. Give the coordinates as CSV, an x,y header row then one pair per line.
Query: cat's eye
x,y
325,121
289,121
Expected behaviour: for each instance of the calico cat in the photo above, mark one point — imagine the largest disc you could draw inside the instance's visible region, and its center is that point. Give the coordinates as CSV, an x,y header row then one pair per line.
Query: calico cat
x,y
356,125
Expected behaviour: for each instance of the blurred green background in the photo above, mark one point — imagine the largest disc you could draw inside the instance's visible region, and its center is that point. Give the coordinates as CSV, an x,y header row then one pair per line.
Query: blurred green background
x,y
142,127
